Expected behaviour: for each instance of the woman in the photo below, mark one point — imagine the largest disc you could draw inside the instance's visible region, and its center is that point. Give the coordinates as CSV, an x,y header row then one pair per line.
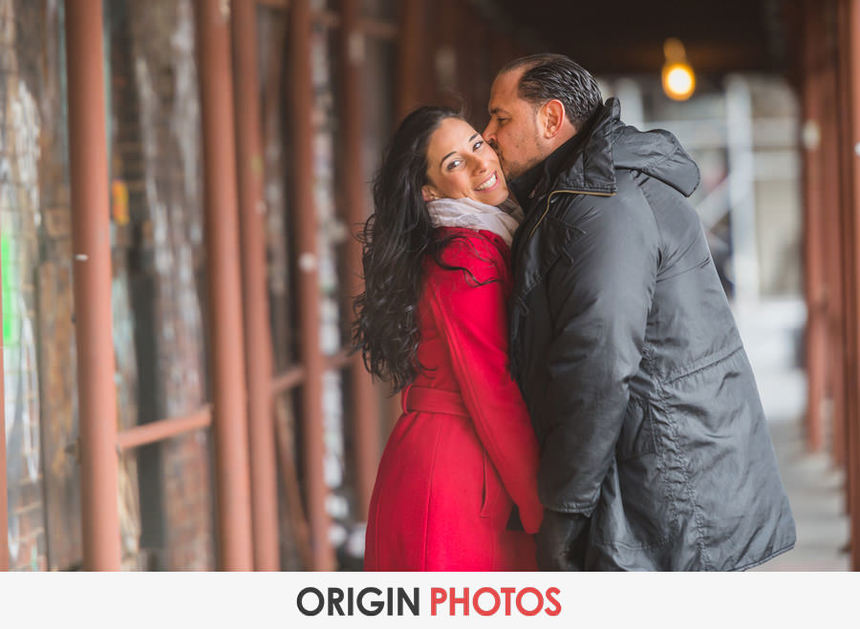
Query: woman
x,y
433,320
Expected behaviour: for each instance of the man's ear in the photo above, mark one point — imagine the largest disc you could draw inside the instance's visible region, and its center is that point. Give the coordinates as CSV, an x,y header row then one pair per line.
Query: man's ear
x,y
429,193
552,119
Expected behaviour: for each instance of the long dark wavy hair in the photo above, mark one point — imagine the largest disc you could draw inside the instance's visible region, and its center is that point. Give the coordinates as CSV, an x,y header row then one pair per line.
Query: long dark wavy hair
x,y
395,240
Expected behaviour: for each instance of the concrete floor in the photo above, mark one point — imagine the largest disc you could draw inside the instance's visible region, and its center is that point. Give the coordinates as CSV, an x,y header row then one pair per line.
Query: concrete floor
x,y
815,491
772,331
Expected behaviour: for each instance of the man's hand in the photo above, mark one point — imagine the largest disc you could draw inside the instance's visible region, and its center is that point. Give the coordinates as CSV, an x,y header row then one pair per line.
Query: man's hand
x,y
561,541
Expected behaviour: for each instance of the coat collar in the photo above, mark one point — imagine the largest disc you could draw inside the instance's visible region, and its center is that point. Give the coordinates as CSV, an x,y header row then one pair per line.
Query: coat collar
x,y
587,162
583,163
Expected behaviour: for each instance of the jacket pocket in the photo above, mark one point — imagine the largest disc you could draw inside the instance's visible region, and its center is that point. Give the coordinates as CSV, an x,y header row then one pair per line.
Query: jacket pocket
x,y
493,497
637,432
633,512
485,486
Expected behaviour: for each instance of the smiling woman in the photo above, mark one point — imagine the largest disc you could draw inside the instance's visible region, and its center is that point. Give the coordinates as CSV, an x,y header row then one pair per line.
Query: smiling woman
x,y
461,165
461,462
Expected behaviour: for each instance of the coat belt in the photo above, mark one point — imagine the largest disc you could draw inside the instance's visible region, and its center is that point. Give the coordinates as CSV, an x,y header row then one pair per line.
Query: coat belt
x,y
431,400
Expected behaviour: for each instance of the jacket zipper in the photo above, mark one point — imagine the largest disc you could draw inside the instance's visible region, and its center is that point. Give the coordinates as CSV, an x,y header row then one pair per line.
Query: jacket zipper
x,y
549,199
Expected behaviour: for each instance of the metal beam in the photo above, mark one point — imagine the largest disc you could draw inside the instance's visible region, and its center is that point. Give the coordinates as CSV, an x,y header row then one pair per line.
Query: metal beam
x,y
414,86
258,334
304,208
365,411
294,376
846,150
225,295
833,217
853,421
92,284
162,429
410,50
814,271
287,380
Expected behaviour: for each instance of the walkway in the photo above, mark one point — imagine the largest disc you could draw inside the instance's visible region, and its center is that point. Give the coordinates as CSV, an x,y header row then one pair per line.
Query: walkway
x,y
815,490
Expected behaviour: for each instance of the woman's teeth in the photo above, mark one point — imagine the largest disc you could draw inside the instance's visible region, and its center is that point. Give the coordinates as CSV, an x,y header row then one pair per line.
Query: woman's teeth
x,y
488,183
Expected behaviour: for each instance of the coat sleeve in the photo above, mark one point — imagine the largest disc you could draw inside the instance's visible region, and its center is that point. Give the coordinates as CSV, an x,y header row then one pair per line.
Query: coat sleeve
x,y
472,315
599,294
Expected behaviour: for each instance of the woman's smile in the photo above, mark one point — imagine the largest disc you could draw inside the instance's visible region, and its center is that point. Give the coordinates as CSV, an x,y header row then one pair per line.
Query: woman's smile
x,y
489,183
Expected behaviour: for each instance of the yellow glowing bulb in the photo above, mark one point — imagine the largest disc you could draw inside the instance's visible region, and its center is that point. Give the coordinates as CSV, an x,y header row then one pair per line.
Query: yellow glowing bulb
x,y
679,82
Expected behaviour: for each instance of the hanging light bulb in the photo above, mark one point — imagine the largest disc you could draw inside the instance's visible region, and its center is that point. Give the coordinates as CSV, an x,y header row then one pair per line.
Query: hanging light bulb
x,y
679,80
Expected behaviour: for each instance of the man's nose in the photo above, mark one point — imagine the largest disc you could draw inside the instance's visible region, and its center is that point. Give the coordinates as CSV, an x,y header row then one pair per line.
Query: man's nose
x,y
490,134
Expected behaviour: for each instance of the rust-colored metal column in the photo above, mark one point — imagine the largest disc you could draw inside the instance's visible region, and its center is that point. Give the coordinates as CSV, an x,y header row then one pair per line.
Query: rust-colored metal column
x,y
365,406
832,216
480,48
414,67
849,302
92,285
415,60
411,41
814,276
258,335
225,294
843,146
447,62
301,119
4,511
853,421
846,152
466,37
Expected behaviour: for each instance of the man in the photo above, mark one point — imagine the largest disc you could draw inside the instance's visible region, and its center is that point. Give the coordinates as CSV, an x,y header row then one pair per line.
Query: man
x,y
655,453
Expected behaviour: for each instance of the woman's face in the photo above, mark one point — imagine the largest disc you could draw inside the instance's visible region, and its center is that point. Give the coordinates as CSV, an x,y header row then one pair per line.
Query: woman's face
x,y
460,164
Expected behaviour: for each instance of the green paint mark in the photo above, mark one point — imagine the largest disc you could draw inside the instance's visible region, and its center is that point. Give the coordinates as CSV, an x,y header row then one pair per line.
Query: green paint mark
x,y
9,313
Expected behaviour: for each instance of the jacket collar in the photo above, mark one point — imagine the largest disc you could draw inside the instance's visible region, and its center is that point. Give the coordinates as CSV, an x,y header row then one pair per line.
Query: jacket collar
x,y
587,162
583,163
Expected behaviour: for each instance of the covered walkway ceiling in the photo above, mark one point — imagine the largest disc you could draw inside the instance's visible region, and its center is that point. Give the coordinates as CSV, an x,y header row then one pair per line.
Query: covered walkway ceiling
x,y
626,36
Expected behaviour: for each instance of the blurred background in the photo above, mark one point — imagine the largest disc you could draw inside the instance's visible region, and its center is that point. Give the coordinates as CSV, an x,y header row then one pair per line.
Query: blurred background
x,y
180,185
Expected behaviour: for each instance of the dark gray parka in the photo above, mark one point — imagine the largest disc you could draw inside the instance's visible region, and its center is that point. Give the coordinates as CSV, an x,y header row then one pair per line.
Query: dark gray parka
x,y
627,354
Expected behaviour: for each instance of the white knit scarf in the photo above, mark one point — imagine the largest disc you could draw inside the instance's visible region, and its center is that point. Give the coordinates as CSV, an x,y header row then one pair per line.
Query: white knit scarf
x,y
502,220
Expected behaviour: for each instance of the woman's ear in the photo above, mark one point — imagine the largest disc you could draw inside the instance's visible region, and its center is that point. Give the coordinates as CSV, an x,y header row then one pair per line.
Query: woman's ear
x,y
429,193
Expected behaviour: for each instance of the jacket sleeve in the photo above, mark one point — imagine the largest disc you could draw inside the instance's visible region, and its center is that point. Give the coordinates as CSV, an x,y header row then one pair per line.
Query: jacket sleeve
x,y
599,293
472,316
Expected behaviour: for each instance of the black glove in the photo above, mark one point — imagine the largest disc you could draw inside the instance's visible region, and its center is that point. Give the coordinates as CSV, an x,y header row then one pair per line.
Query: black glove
x,y
561,541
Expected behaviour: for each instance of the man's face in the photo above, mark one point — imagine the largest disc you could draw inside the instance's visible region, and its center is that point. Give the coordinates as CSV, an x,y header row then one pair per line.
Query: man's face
x,y
513,128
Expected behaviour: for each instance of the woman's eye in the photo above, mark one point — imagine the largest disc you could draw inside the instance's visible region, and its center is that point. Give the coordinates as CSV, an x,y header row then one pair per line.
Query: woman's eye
x,y
478,145
453,164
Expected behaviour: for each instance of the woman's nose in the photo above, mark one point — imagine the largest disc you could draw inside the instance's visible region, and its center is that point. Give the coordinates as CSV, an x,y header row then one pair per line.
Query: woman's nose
x,y
480,164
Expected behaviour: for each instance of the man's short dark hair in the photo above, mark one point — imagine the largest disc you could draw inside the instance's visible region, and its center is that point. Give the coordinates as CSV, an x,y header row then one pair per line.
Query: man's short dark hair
x,y
549,76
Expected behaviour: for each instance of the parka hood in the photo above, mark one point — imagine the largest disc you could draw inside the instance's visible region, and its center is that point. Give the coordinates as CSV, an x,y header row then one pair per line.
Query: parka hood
x,y
587,162
656,153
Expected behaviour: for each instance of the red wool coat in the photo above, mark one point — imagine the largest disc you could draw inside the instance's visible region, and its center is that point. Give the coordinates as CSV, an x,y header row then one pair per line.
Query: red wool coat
x,y
464,450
